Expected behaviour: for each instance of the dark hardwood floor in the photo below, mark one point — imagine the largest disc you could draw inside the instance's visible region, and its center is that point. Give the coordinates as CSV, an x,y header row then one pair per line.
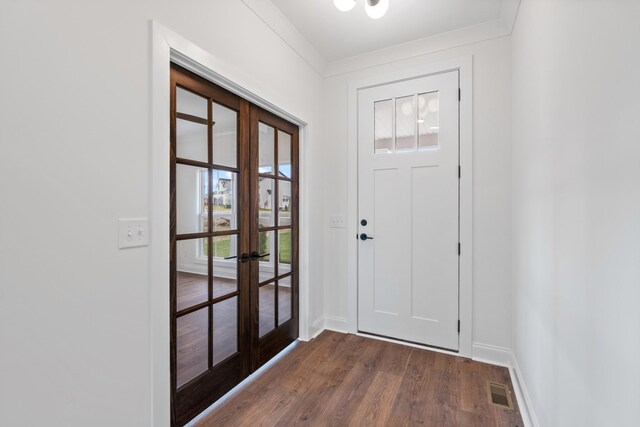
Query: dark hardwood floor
x,y
192,329
192,288
343,379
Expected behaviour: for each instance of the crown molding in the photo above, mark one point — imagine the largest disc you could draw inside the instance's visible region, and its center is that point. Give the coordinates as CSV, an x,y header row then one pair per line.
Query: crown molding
x,y
280,25
283,28
461,37
509,14
444,41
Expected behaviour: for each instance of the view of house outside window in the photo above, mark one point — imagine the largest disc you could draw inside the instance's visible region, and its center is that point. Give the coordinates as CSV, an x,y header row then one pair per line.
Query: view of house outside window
x,y
223,208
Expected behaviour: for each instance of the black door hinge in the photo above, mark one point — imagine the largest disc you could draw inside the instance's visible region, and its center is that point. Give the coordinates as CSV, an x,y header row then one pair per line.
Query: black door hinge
x,y
459,249
459,94
458,325
459,171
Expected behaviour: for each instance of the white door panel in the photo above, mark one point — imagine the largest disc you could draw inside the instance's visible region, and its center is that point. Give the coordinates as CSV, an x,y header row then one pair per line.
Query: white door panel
x,y
386,260
408,194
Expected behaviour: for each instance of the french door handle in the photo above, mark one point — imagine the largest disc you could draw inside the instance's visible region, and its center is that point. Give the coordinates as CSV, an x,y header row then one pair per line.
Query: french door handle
x,y
244,258
364,236
257,255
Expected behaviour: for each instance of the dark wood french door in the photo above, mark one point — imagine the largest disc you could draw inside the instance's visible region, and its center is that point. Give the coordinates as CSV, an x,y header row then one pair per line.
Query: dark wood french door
x,y
234,240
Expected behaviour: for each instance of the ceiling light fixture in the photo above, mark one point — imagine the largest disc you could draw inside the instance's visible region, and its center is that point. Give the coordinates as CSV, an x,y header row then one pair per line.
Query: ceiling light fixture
x,y
344,5
374,8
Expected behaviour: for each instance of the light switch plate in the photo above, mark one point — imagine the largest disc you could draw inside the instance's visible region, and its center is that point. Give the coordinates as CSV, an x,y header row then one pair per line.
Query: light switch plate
x,y
337,221
133,232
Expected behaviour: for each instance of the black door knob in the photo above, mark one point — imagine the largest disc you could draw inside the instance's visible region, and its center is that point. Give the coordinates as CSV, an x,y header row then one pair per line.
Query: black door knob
x,y
244,258
257,255
364,236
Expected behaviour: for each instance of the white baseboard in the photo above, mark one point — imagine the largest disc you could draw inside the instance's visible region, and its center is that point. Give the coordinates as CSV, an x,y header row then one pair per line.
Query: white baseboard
x,y
335,323
317,327
524,401
492,354
503,356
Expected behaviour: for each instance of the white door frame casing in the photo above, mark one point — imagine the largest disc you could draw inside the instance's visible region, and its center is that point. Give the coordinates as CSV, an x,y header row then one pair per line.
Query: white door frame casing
x,y
167,47
465,67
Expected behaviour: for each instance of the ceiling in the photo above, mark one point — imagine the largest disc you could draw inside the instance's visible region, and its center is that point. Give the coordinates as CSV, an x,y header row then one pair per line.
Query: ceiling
x,y
338,35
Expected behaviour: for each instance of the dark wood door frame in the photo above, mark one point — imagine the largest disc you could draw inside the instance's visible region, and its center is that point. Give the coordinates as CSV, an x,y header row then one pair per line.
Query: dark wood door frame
x,y
196,395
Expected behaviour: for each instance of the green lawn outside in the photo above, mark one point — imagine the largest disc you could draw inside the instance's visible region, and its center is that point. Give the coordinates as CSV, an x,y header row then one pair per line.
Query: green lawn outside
x,y
218,208
222,246
285,246
284,249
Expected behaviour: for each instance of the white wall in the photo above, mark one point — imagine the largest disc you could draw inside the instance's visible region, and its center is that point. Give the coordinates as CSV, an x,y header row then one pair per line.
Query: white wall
x,y
576,210
74,126
491,185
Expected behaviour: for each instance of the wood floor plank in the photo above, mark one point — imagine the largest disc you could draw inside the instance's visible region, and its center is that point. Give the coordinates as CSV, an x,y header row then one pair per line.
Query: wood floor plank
x,y
394,359
329,380
420,380
354,388
342,379
275,390
375,408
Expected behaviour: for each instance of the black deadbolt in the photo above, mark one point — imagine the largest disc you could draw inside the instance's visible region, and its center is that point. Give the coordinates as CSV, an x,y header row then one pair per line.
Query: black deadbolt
x,y
363,222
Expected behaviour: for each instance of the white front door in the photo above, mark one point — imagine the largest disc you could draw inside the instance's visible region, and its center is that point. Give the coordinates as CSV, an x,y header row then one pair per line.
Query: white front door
x,y
408,208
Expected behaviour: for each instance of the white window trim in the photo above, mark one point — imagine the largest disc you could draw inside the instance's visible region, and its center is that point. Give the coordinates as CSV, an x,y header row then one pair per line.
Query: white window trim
x,y
200,257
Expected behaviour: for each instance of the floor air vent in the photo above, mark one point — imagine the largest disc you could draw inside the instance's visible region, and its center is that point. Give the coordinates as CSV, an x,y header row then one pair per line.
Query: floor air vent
x,y
499,394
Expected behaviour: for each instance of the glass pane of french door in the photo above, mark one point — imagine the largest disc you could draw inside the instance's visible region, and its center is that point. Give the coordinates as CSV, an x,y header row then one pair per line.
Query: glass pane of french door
x,y
275,171
207,235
